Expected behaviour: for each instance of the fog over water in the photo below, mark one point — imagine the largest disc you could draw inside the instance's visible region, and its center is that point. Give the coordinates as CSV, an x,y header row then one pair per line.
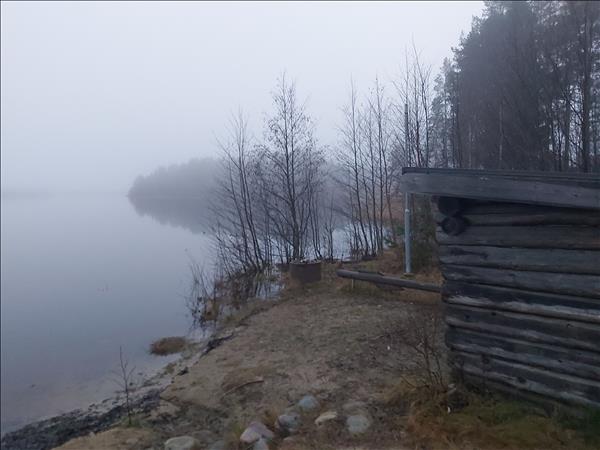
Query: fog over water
x,y
95,93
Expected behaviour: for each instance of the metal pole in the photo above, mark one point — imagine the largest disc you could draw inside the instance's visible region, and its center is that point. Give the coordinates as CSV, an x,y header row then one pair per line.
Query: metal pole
x,y
407,250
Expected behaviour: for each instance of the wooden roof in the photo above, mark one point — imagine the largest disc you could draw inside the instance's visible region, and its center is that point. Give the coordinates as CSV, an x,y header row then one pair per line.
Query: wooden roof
x,y
537,188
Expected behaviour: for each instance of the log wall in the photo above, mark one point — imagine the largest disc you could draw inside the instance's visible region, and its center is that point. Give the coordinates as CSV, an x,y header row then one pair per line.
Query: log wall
x,y
522,296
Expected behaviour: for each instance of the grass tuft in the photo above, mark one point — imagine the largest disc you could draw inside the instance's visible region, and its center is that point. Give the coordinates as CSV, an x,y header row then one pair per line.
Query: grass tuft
x,y
168,345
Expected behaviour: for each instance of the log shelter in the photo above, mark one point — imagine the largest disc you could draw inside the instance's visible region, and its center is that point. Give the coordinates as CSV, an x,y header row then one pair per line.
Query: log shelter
x,y
520,257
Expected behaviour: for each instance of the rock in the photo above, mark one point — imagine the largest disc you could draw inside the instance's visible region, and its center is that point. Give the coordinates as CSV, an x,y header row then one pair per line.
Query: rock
x,y
357,424
132,441
308,403
261,444
254,432
325,417
182,443
289,422
219,445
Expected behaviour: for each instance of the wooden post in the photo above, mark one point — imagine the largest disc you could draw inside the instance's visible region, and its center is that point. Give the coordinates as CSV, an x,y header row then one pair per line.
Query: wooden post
x,y
407,249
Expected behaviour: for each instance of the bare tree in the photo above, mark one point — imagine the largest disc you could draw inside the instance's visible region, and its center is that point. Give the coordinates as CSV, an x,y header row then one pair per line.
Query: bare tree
x,y
239,238
124,378
291,171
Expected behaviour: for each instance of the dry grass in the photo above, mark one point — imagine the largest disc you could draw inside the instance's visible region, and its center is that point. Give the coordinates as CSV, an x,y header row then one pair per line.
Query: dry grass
x,y
465,420
168,345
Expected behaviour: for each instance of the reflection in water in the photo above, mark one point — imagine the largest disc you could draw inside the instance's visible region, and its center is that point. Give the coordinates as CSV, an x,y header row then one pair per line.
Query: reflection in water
x,y
82,276
190,213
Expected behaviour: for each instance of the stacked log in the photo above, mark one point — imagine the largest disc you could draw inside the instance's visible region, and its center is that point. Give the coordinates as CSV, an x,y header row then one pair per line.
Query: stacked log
x,y
522,295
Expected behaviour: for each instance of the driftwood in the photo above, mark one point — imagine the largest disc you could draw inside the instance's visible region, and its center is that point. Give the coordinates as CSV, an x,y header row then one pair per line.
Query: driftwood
x,y
387,280
239,386
542,260
560,236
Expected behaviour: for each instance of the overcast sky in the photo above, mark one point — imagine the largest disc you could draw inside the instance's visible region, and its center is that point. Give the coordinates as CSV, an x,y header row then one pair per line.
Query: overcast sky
x,y
94,94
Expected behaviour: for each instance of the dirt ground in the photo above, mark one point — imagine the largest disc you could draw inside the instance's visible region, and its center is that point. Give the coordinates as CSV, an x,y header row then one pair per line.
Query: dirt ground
x,y
335,342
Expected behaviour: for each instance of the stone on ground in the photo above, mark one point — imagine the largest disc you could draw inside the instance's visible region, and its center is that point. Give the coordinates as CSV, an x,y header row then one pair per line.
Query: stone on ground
x,y
288,422
183,443
261,444
254,432
357,424
308,403
325,417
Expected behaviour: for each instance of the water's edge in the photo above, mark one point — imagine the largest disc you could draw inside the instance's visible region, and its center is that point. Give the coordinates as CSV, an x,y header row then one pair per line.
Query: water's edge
x,y
54,431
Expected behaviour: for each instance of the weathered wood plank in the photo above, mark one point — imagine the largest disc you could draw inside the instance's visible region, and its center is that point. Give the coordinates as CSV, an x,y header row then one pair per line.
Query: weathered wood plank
x,y
562,387
387,280
577,179
553,331
559,237
478,207
501,188
541,260
526,302
574,217
580,363
559,283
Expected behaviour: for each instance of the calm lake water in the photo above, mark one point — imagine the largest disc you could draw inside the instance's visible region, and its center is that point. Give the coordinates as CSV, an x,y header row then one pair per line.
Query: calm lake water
x,y
81,276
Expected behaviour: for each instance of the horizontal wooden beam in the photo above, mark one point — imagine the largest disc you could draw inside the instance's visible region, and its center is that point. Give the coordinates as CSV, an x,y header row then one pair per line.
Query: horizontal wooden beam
x,y
514,258
387,280
527,327
559,236
559,283
562,387
563,192
543,304
580,363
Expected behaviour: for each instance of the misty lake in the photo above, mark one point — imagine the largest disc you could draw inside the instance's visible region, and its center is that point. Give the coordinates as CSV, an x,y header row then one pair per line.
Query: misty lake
x,y
81,276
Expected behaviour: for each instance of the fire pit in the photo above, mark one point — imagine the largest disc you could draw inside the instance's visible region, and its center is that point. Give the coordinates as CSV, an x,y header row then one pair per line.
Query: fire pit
x,y
304,272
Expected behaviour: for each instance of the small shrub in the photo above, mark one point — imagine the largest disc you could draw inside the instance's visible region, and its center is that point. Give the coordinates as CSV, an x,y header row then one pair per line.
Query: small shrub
x,y
168,345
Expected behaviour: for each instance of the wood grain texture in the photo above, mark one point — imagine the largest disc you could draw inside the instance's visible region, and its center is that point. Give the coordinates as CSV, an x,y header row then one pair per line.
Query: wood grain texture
x,y
545,330
552,260
504,188
556,237
581,363
558,283
560,386
525,302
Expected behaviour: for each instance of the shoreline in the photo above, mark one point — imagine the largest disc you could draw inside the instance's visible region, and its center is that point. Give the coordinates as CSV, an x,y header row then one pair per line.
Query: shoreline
x,y
54,431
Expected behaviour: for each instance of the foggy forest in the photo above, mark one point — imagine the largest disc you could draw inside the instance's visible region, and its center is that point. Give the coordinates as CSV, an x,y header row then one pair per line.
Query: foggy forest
x,y
521,92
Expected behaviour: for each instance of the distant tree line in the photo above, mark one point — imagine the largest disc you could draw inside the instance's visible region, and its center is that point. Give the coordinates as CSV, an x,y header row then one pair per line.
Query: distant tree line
x,y
193,179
